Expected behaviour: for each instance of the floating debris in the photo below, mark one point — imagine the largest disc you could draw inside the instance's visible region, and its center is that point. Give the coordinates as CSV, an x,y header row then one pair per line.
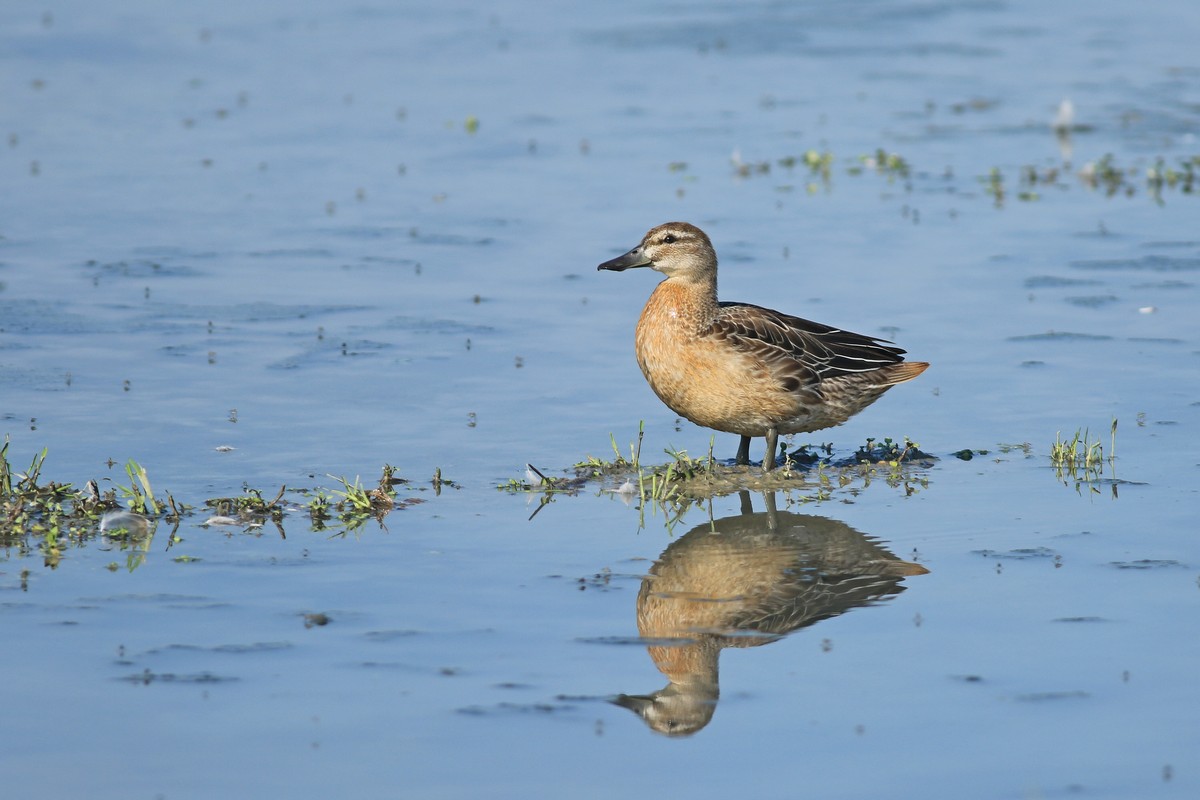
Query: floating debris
x,y
115,523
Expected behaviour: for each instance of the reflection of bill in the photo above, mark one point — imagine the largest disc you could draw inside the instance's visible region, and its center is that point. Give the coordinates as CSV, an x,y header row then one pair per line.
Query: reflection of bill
x,y
743,581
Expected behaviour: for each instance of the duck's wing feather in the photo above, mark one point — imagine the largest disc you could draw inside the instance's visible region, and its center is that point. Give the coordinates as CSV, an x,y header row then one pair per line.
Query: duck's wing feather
x,y
799,351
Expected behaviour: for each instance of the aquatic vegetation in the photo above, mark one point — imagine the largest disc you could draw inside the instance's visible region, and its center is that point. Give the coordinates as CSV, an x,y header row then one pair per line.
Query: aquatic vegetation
x,y
358,504
438,481
654,486
248,509
1183,177
1025,182
888,451
1080,451
821,163
138,493
46,518
744,169
355,498
1081,458
993,186
619,463
891,165
811,472
50,517
1105,174
537,482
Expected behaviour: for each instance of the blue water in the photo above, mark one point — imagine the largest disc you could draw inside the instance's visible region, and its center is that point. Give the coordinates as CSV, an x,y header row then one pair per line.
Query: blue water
x,y
268,244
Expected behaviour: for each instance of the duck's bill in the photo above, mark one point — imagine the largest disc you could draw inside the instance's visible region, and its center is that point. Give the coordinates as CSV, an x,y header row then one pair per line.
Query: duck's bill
x,y
634,258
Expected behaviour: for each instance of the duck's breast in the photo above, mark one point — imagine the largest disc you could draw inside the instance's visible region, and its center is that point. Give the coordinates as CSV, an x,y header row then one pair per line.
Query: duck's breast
x,y
701,375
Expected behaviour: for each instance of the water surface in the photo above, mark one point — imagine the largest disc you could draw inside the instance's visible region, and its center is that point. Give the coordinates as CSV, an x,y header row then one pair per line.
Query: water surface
x,y
267,244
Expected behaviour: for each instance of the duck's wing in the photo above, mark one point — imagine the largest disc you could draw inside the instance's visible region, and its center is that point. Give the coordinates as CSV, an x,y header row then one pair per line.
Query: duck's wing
x,y
799,351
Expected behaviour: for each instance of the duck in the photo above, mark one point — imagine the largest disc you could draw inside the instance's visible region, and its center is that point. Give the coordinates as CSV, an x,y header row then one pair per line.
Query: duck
x,y
746,369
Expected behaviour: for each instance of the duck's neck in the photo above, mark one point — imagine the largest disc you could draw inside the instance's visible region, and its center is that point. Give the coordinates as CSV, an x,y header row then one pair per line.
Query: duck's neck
x,y
687,303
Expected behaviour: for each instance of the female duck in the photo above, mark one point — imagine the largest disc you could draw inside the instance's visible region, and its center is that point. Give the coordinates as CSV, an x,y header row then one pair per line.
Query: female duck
x,y
742,368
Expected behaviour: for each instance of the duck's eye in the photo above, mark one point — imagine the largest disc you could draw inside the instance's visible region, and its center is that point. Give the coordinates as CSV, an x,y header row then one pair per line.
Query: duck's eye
x,y
669,239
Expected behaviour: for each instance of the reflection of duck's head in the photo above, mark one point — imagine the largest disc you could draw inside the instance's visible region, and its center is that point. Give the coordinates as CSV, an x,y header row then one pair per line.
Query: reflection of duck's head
x,y
743,581
685,706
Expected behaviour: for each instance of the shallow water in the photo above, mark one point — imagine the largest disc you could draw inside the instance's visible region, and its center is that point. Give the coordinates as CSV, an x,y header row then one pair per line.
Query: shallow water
x,y
332,238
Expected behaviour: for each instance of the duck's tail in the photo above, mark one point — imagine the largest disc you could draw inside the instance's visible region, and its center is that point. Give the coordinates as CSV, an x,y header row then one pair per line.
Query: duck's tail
x,y
904,371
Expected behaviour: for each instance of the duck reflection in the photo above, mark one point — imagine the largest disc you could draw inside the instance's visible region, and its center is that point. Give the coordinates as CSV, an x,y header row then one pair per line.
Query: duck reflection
x,y
743,581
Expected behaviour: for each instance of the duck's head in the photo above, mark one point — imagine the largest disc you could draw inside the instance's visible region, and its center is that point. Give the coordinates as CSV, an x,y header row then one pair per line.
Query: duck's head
x,y
674,249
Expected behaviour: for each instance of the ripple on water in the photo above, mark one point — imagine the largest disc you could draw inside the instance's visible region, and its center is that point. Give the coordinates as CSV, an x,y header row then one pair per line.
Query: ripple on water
x,y
148,677
37,317
1051,697
1148,563
1150,263
1054,281
235,649
140,268
1060,336
1092,301
1020,554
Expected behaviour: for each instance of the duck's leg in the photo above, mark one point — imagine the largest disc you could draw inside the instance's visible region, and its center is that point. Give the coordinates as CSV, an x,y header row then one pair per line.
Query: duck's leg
x,y
772,446
743,453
